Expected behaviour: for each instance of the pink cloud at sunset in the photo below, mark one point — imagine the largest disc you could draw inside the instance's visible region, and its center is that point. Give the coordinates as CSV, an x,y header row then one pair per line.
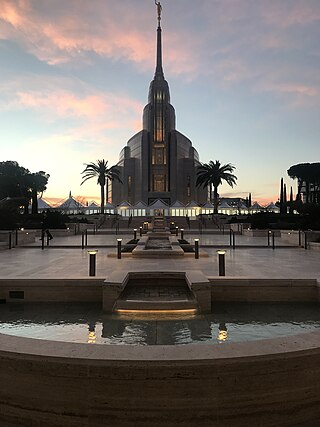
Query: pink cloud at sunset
x,y
243,78
57,37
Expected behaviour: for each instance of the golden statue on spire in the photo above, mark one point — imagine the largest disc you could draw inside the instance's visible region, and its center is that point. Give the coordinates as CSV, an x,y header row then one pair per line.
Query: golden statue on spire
x,y
159,9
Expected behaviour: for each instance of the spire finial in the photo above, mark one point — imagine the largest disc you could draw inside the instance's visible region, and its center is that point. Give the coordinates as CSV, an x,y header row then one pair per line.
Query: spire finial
x,y
159,9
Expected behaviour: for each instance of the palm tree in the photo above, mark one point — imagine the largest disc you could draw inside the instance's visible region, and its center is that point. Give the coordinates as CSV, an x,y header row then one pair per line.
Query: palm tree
x,y
103,173
212,174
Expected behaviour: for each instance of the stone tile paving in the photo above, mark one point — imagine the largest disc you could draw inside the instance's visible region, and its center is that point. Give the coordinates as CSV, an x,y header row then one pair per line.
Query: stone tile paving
x,y
73,262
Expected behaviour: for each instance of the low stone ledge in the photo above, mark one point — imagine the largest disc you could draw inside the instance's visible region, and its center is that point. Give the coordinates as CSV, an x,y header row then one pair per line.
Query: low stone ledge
x,y
201,288
53,290
314,246
112,288
271,290
255,383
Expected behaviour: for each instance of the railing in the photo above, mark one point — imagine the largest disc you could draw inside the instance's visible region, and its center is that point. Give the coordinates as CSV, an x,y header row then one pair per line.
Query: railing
x,y
232,239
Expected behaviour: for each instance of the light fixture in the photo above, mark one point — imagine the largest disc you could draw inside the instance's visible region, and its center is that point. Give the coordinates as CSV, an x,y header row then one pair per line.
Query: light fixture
x,y
119,248
196,248
222,265
92,261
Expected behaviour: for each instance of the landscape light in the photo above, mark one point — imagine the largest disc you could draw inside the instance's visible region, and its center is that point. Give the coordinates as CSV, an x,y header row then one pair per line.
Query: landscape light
x,y
92,261
119,248
222,264
196,248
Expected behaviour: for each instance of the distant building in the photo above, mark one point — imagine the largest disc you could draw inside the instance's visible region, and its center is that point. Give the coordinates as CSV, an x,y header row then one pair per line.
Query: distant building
x,y
159,162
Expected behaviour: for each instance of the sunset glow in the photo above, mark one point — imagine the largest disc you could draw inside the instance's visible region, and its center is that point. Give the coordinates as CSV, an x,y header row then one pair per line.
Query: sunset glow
x,y
244,81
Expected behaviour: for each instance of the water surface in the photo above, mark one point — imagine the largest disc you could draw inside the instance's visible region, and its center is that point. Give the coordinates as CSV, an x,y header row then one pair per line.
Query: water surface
x,y
87,323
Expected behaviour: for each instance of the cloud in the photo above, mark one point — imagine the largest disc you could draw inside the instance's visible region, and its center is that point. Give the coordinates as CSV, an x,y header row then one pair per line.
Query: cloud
x,y
231,41
54,100
69,30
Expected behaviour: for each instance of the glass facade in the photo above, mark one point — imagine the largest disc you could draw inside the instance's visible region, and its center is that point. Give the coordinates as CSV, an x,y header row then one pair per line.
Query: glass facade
x,y
159,183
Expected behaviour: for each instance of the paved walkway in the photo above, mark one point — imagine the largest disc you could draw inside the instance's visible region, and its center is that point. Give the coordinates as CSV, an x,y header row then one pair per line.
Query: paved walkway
x,y
72,262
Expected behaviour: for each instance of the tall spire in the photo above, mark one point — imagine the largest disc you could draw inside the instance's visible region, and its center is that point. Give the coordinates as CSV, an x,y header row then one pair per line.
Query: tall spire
x,y
159,70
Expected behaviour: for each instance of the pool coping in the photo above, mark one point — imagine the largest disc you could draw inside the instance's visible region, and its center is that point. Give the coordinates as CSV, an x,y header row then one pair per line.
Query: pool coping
x,y
308,342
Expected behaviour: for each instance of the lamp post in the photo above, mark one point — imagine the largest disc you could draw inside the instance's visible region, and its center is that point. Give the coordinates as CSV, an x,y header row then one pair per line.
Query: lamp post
x,y
177,229
182,230
92,262
119,248
222,264
135,234
140,229
196,248
42,239
269,234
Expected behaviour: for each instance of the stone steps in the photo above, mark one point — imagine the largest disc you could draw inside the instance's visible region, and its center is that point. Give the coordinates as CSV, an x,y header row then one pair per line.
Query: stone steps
x,y
156,298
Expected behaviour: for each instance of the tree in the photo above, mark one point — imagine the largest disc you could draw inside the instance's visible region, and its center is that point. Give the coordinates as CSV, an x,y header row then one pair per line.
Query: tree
x,y
308,176
212,174
38,184
291,201
100,171
12,179
281,199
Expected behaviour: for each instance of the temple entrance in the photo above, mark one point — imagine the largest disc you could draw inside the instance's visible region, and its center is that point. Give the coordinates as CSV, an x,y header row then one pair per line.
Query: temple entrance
x,y
159,213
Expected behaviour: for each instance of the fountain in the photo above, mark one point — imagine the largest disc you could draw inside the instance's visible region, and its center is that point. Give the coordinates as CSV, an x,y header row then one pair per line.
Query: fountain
x,y
69,383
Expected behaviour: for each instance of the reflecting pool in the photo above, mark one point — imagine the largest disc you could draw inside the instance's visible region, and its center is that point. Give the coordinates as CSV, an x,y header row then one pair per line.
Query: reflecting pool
x,y
87,323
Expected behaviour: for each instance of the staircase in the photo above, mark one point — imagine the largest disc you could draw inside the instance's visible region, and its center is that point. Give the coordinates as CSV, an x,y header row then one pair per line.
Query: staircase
x,y
152,295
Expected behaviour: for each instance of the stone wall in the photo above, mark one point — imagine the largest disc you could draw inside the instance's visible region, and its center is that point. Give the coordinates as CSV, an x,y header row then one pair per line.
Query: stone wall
x,y
265,383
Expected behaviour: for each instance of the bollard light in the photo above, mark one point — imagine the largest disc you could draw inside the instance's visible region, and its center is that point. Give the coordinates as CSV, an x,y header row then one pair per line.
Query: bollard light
x,y
119,248
196,248
135,234
92,262
181,231
140,229
222,264
177,229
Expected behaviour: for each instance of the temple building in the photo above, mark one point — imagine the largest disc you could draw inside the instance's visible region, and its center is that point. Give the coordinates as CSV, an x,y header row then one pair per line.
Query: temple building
x,y
158,162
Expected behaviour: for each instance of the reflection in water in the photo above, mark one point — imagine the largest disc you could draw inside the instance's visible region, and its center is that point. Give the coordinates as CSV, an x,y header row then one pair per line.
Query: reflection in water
x,y
228,322
92,333
158,315
223,332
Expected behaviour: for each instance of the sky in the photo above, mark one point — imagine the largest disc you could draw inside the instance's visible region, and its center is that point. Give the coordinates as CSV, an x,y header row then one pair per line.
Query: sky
x,y
243,75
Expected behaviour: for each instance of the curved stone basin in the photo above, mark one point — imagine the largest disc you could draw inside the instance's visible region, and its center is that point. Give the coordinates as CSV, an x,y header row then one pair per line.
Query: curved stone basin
x,y
270,382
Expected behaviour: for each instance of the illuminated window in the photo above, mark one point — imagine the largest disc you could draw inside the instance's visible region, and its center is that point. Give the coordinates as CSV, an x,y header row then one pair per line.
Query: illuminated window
x,y
159,183
188,186
129,188
159,156
159,126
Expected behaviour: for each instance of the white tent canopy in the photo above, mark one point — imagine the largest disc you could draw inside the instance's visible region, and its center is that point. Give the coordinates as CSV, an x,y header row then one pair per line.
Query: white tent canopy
x,y
93,205
177,204
256,206
224,205
159,207
124,209
208,205
139,209
177,209
71,205
140,205
158,204
272,207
